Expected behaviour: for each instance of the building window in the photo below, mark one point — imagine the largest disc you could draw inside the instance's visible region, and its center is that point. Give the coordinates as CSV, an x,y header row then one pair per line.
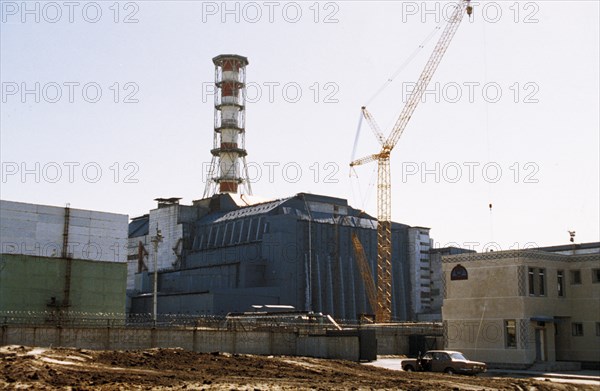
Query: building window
x,y
531,275
542,281
595,276
459,273
577,329
597,329
560,279
510,327
575,277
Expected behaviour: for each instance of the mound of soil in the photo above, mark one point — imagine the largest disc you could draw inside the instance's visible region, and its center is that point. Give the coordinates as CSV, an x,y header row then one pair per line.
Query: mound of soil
x,y
76,369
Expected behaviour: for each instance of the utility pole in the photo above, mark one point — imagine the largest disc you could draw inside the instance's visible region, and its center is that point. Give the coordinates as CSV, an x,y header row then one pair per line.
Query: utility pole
x,y
155,240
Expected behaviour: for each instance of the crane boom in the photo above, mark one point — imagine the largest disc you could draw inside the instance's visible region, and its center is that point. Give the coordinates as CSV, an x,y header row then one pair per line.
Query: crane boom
x,y
374,126
426,75
366,274
365,160
384,192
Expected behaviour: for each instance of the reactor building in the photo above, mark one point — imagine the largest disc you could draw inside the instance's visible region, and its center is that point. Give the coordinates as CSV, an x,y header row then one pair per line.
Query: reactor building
x,y
231,250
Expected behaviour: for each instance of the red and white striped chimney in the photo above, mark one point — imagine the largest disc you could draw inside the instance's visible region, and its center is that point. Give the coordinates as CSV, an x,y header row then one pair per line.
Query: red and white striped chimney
x,y
229,136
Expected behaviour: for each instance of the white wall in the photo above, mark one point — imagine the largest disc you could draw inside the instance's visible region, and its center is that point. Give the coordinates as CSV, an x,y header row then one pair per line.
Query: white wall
x,y
419,277
38,230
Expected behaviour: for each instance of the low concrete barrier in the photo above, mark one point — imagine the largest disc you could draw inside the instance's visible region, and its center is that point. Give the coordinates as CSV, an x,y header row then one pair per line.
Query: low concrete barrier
x,y
407,338
391,339
199,340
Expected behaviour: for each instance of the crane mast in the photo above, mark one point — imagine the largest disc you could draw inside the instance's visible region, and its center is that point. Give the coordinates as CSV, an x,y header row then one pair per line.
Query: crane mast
x,y
383,310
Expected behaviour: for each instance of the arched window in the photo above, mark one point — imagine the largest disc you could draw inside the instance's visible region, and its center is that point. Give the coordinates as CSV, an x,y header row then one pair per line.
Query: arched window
x,y
459,273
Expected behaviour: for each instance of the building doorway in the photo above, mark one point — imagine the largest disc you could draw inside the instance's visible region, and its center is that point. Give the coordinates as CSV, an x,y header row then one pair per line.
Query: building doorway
x,y
540,344
561,338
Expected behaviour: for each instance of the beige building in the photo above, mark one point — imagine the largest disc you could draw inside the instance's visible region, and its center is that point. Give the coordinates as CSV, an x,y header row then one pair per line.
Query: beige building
x,y
522,307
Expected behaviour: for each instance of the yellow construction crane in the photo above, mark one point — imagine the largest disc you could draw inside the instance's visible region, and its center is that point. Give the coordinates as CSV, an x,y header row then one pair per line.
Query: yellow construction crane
x,y
383,305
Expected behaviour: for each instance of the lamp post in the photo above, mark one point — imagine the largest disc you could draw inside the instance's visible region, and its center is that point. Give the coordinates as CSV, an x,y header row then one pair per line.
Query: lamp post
x,y
155,240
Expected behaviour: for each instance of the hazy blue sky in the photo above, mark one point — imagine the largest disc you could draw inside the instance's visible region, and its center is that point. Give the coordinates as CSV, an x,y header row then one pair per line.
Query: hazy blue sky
x,y
511,119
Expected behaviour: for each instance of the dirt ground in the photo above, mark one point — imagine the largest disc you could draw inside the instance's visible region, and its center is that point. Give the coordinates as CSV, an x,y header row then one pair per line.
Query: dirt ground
x,y
76,369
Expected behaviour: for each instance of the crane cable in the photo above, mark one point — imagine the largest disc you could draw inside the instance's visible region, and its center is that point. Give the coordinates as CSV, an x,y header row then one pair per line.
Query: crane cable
x,y
408,60
487,131
370,187
362,197
360,119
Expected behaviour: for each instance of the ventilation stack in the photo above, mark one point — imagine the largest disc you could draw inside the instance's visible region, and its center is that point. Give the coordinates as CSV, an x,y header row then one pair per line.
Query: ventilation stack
x,y
229,150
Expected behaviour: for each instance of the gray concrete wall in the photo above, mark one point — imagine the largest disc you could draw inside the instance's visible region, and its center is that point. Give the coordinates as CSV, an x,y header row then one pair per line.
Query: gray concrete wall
x,y
390,340
28,284
250,342
394,339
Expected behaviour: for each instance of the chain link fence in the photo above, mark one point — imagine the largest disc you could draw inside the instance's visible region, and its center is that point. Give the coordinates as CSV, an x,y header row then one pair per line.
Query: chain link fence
x,y
95,319
296,321
293,321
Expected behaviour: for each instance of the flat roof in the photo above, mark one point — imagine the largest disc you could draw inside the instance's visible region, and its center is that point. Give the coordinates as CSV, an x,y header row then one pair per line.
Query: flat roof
x,y
572,246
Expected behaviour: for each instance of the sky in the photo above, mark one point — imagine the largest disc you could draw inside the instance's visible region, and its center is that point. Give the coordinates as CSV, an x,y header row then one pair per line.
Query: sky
x,y
107,105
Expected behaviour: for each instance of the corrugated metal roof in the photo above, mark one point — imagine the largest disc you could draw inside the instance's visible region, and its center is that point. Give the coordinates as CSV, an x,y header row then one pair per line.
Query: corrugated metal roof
x,y
297,206
322,198
244,200
328,218
248,211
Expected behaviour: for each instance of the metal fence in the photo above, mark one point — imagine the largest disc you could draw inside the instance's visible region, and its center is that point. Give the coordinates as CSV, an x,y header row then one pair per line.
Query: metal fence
x,y
241,322
305,322
87,319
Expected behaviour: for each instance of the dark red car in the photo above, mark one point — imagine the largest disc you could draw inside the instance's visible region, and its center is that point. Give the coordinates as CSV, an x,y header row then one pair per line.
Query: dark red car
x,y
448,361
